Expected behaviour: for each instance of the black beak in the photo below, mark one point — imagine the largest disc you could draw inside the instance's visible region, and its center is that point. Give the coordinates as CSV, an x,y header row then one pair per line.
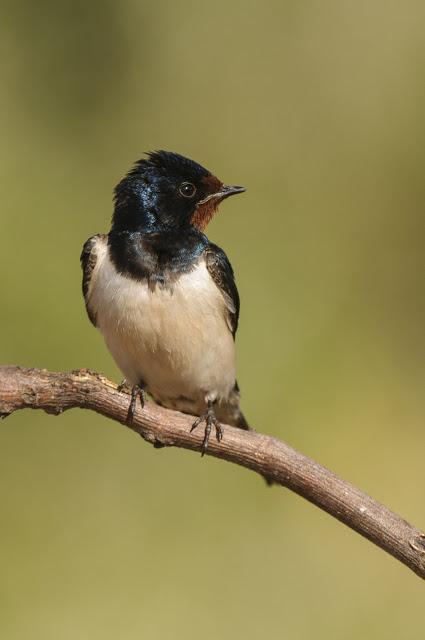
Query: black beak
x,y
228,190
225,192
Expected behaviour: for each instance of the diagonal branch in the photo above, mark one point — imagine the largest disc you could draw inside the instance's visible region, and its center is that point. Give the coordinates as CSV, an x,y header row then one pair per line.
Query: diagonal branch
x,y
56,392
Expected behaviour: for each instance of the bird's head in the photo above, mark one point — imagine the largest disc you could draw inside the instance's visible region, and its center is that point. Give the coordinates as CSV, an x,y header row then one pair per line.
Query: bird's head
x,y
167,191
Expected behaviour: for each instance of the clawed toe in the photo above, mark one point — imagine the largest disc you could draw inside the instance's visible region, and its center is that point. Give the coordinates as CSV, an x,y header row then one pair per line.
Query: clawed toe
x,y
136,392
210,421
124,386
218,432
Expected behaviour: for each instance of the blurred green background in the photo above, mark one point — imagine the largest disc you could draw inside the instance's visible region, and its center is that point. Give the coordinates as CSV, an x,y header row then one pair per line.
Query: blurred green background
x,y
318,108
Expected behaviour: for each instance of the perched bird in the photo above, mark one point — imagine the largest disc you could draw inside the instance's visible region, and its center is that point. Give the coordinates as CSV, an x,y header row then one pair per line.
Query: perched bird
x,y
163,296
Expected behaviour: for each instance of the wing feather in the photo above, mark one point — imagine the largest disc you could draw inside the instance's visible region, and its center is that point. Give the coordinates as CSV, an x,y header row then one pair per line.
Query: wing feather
x,y
221,272
88,260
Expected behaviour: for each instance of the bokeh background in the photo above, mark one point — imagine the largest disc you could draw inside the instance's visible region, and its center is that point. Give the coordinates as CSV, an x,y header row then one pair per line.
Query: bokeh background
x,y
318,108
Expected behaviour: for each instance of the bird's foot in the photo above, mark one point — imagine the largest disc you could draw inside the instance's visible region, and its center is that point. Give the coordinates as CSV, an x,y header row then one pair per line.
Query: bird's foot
x,y
210,420
137,391
124,386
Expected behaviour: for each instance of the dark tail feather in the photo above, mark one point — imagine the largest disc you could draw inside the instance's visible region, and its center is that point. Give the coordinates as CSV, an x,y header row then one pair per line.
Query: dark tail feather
x,y
241,422
231,414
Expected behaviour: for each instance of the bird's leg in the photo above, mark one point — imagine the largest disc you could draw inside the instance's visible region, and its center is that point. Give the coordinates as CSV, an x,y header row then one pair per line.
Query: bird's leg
x,y
137,391
210,420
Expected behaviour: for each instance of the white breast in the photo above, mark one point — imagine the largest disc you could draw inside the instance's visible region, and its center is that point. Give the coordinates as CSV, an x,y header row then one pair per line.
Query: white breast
x,y
175,339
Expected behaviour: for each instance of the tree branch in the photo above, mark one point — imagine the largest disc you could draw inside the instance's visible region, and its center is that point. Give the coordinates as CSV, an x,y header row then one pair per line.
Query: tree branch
x,y
56,392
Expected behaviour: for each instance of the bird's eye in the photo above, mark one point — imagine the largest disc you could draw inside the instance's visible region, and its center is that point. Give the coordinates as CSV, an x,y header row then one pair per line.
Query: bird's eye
x,y
187,189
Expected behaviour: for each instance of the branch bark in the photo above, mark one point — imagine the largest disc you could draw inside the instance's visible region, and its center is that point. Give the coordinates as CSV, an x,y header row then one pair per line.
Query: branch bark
x,y
56,392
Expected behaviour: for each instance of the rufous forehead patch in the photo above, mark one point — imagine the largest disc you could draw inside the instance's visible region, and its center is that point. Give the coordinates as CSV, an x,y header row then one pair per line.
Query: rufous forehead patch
x,y
212,183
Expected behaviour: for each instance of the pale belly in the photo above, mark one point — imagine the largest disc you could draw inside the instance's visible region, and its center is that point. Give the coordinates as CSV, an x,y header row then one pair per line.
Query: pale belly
x,y
176,340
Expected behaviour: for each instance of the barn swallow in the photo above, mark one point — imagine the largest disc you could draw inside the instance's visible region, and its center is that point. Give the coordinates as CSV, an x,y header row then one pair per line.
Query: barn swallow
x,y
163,296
